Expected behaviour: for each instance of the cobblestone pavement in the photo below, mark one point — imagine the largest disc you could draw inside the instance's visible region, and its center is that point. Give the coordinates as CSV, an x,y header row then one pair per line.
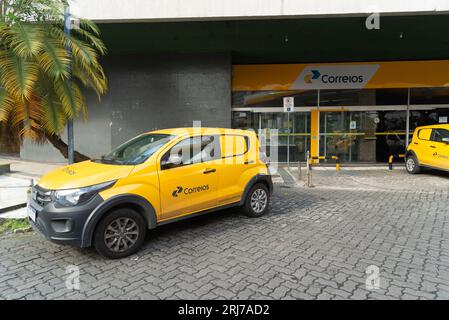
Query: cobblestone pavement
x,y
315,244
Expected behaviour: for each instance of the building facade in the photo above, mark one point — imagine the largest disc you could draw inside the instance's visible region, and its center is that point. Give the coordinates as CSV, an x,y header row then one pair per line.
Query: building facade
x,y
359,88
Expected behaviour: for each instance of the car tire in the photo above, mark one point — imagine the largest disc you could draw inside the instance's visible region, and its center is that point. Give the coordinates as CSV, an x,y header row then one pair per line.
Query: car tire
x,y
120,233
257,201
412,164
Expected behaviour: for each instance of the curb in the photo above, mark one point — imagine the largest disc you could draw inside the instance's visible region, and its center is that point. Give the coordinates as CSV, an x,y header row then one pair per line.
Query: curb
x,y
14,207
5,168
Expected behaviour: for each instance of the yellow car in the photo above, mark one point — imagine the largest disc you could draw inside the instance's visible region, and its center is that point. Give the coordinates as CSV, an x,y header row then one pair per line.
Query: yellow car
x,y
428,148
155,178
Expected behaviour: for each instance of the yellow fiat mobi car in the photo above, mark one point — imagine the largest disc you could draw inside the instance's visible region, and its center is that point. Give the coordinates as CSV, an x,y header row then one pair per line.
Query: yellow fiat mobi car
x,y
155,178
428,148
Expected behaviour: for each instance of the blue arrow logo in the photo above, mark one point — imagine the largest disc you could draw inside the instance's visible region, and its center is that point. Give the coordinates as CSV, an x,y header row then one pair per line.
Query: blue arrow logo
x,y
315,74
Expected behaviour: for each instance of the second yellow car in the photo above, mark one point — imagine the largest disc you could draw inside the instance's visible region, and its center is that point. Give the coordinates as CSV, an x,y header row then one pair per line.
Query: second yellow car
x,y
429,148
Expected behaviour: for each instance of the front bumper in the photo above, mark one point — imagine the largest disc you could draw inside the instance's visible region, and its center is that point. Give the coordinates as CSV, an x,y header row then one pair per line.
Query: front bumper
x,y
63,225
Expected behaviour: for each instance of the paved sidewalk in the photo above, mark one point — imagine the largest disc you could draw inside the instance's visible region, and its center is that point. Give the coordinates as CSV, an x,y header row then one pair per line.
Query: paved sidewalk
x,y
29,169
316,243
14,185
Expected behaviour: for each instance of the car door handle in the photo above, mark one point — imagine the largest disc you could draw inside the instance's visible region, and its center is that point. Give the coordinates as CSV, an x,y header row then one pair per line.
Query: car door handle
x,y
433,147
209,171
415,143
249,161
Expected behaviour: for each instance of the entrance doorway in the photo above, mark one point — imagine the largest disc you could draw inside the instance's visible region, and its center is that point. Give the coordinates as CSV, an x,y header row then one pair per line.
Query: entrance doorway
x,y
362,136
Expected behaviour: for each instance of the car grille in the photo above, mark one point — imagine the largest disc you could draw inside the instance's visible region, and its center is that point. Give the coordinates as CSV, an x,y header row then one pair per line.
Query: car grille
x,y
40,195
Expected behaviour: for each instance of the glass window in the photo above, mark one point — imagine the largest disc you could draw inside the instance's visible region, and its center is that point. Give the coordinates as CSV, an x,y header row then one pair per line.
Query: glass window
x,y
429,96
136,150
245,120
233,145
303,98
192,150
440,135
363,97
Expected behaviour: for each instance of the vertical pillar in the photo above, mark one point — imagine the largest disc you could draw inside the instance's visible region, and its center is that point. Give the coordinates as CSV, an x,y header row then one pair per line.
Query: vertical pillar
x,y
407,126
70,139
314,133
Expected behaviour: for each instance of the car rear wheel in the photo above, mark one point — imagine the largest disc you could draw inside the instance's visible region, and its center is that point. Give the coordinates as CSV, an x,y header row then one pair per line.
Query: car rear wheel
x,y
120,234
257,201
411,164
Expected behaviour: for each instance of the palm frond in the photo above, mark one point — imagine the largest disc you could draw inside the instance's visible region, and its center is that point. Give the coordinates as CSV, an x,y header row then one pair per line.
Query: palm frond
x,y
54,59
17,75
25,40
7,105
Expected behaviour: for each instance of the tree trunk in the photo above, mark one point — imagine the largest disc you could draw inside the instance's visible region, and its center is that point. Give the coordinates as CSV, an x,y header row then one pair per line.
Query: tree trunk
x,y
57,142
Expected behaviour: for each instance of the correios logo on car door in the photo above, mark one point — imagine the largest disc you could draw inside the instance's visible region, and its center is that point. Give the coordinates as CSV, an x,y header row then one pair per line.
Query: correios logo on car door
x,y
187,190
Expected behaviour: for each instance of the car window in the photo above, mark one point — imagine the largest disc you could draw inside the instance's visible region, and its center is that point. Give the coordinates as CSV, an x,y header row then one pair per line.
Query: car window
x,y
136,150
439,134
424,134
192,150
233,145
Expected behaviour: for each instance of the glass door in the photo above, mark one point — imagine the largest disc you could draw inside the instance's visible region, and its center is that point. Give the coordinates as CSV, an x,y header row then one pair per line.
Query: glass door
x,y
293,136
362,136
300,136
275,120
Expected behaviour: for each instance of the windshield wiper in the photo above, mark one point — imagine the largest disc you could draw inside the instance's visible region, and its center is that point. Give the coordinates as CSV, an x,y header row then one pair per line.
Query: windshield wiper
x,y
105,160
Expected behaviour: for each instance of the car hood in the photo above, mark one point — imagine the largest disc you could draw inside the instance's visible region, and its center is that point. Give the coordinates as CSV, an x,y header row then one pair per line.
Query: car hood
x,y
83,174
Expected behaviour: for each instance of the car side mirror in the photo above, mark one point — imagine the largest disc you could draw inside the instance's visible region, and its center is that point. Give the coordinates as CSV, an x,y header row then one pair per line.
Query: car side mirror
x,y
445,140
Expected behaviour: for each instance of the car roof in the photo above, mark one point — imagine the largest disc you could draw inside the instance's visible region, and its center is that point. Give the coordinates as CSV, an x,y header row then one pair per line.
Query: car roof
x,y
201,130
435,126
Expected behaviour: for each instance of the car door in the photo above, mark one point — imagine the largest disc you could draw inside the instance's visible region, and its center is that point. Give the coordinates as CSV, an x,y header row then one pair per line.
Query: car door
x,y
235,161
440,146
188,177
423,147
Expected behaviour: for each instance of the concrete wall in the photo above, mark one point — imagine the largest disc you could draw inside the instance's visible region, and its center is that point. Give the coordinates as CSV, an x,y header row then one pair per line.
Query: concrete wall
x,y
169,91
148,93
165,10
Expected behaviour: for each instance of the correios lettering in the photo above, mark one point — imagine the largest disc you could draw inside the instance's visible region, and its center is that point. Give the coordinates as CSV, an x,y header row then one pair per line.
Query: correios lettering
x,y
196,189
325,78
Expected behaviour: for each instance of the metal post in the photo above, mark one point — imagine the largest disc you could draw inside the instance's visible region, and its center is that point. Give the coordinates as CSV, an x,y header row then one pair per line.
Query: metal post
x,y
309,170
70,139
407,126
288,139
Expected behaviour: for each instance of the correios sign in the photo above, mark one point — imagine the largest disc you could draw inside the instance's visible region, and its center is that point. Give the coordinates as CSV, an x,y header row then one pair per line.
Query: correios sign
x,y
355,75
335,77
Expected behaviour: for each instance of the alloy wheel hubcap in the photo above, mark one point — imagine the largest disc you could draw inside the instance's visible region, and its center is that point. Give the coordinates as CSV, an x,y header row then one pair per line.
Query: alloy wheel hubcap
x,y
259,200
410,164
121,234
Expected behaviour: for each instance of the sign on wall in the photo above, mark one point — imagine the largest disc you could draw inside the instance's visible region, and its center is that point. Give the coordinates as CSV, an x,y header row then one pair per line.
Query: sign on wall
x,y
335,77
289,104
356,75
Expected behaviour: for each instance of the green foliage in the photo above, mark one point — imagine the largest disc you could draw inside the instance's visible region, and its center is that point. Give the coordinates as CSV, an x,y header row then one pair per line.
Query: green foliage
x,y
9,225
31,10
40,79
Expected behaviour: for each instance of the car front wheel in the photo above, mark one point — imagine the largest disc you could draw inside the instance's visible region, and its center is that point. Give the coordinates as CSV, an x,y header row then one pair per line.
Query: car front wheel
x,y
411,164
120,233
257,201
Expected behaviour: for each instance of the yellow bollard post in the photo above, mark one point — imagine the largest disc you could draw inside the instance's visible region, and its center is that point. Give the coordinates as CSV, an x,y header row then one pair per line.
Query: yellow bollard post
x,y
390,162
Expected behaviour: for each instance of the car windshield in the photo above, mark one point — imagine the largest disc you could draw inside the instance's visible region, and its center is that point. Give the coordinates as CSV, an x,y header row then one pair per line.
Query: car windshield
x,y
136,150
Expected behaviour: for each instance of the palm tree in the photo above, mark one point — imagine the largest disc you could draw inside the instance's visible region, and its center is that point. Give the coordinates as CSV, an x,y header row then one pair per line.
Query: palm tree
x,y
43,70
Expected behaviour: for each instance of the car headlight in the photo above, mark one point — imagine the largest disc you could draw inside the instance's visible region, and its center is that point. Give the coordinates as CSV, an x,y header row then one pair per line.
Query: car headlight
x,y
73,197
